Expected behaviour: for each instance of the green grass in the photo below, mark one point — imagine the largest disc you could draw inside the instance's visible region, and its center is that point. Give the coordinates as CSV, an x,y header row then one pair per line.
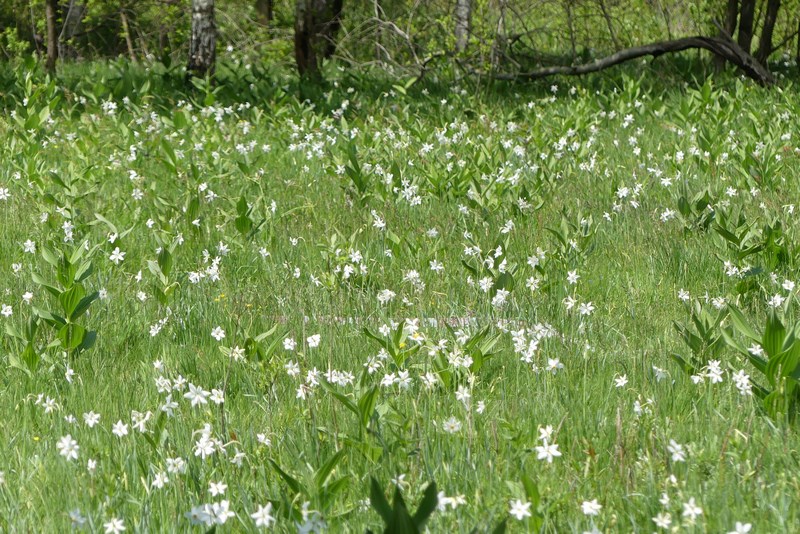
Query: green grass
x,y
739,461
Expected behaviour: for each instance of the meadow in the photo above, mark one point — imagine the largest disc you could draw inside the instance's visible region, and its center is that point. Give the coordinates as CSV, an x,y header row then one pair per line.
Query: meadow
x,y
562,308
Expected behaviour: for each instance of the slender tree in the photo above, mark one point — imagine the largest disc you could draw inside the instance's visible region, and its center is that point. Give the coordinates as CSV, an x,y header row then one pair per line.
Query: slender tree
x,y
462,15
728,28
50,10
746,15
264,10
765,43
203,41
315,25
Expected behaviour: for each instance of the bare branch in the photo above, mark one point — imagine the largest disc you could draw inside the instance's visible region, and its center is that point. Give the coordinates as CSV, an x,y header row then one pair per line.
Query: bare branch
x,y
722,47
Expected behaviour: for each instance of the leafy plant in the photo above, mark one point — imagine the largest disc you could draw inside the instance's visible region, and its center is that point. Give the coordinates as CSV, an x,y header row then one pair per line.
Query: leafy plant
x,y
72,301
396,517
778,359
701,335
696,212
317,486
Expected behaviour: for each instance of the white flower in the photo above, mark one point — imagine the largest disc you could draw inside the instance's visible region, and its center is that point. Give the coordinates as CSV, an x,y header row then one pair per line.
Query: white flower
x,y
741,528
691,510
68,447
263,516
217,488
572,277
591,507
463,394
77,519
520,509
776,301
621,381
6,310
289,343
114,526
219,512
139,420
313,341
386,295
120,429
499,299
117,256
663,520
714,371
197,395
217,396
676,449
452,425
661,374
176,466
742,382
218,333
547,451
199,516
554,364
160,480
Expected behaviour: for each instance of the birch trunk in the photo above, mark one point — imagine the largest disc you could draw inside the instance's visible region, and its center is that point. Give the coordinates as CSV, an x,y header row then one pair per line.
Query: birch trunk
x,y
203,42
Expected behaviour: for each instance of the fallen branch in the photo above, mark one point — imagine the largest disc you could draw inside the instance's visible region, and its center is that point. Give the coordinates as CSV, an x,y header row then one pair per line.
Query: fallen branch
x,y
722,47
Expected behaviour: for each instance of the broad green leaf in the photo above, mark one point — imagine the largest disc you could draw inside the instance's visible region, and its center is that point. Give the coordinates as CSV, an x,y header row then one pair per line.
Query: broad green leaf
x,y
427,506
774,335
740,323
366,405
324,472
292,482
70,299
83,305
379,502
71,336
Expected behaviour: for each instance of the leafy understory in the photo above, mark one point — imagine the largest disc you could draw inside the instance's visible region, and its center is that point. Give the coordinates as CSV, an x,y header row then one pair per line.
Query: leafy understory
x,y
571,311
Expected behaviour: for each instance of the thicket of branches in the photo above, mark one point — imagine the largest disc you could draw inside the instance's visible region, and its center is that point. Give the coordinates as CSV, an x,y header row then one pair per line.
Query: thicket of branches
x,y
500,38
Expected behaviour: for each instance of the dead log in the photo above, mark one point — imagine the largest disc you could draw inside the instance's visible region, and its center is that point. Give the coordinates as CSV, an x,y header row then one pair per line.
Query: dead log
x,y
722,47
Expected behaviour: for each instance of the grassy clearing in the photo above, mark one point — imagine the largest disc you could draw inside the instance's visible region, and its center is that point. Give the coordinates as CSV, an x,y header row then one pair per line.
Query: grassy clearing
x,y
540,237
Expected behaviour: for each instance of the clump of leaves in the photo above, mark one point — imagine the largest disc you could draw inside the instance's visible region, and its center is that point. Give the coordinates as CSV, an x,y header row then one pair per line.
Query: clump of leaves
x,y
72,268
778,358
397,517
696,212
773,351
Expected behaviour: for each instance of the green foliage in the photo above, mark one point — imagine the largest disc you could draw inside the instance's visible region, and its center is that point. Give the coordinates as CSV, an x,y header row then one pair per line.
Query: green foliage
x,y
397,517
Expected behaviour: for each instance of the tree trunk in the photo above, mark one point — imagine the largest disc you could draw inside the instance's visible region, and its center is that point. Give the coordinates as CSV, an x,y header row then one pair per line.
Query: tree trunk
x,y
462,15
72,18
50,10
746,24
126,29
765,43
304,50
728,29
797,54
315,24
264,10
609,25
203,42
570,29
332,21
